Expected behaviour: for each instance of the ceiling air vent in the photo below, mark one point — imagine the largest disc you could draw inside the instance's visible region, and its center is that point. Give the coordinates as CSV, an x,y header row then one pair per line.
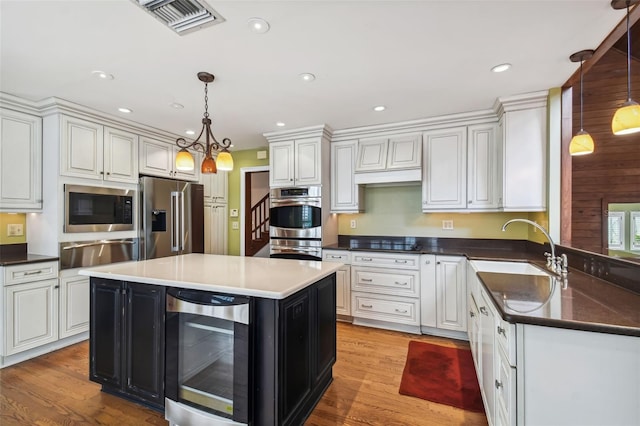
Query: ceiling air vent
x,y
182,16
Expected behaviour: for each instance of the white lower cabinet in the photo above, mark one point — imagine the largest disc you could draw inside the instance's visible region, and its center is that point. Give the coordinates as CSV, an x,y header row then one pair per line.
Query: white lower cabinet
x,y
385,290
31,315
74,305
488,354
343,279
443,295
215,229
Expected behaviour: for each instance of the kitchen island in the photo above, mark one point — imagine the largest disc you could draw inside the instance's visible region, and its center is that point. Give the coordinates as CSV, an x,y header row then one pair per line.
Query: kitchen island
x,y
289,337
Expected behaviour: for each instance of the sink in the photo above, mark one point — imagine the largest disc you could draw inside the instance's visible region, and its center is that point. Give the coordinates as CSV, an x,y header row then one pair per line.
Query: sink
x,y
506,267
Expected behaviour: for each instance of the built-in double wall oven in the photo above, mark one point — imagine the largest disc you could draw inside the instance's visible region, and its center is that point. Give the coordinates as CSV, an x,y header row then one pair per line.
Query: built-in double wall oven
x,y
208,358
295,223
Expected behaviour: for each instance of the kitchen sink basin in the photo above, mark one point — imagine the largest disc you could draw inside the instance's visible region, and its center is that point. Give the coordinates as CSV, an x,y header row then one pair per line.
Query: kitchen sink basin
x,y
506,267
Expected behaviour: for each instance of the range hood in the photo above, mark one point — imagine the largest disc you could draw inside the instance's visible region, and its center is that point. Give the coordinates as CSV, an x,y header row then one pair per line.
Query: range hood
x,y
389,160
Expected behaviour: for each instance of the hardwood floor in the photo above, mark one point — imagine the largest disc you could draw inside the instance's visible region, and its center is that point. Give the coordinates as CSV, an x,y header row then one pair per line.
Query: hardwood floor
x,y
54,389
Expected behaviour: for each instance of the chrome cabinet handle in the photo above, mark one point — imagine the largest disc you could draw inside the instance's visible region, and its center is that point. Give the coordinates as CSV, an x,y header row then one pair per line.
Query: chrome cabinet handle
x,y
483,310
366,280
401,311
471,314
367,259
399,283
401,261
33,272
333,256
498,384
502,331
427,262
366,306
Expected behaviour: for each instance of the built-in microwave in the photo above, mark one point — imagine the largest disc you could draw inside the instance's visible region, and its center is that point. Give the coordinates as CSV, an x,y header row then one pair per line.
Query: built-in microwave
x,y
97,209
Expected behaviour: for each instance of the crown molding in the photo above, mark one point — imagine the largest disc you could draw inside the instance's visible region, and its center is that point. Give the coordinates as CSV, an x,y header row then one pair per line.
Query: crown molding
x,y
322,130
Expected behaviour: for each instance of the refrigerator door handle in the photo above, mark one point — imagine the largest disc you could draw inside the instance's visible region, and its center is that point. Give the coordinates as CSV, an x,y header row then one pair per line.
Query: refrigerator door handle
x,y
175,226
182,227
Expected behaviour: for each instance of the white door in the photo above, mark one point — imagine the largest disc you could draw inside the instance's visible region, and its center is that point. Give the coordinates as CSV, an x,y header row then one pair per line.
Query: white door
x,y
307,162
405,152
20,161
155,158
344,191
31,315
215,229
74,305
372,155
482,178
444,172
120,156
343,291
281,164
451,281
81,148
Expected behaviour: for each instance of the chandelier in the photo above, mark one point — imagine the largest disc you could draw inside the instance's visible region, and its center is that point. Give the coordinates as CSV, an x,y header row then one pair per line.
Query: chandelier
x,y
210,147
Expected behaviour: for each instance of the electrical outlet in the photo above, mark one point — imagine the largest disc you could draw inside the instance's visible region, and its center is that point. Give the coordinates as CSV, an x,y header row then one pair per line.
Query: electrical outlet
x,y
354,224
235,225
447,224
15,230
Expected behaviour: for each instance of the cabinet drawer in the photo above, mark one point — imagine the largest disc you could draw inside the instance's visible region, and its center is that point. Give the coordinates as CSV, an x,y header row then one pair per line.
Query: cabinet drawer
x,y
387,260
506,338
341,256
505,385
385,308
18,274
386,281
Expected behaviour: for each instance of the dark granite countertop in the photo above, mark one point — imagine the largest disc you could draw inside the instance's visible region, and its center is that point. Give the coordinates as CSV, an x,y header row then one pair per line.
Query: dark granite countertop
x,y
583,303
587,303
20,259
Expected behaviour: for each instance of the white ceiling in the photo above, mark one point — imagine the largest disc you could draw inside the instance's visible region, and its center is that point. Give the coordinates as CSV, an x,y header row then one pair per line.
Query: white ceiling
x,y
419,58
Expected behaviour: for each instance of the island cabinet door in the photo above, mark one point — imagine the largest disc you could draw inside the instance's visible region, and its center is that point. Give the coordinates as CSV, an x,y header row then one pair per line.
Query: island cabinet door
x,y
144,334
324,293
295,359
106,332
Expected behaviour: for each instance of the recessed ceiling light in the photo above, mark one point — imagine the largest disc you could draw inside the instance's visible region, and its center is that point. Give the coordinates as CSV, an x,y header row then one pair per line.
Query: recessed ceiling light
x,y
379,108
190,132
102,75
258,25
125,110
280,124
176,105
501,68
307,76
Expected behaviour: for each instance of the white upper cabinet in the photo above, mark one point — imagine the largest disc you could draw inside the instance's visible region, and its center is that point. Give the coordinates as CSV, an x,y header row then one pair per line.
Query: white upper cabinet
x,y
389,159
158,158
346,195
90,150
483,167
523,129
295,163
20,161
215,187
372,154
444,179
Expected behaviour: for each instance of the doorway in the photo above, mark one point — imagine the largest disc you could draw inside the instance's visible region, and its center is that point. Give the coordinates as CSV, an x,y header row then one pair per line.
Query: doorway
x,y
254,207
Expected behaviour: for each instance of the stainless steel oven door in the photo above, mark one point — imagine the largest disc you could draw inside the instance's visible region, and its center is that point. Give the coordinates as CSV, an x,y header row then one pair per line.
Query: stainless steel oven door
x,y
208,360
295,217
296,249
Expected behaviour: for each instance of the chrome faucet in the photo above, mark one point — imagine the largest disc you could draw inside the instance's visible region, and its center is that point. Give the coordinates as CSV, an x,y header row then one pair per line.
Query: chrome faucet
x,y
556,264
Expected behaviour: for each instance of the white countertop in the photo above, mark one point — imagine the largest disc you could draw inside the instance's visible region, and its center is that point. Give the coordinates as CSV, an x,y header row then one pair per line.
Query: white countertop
x,y
249,276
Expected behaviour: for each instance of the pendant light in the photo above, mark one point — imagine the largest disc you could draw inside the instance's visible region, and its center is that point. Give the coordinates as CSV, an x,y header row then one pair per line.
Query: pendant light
x,y
626,120
582,142
224,161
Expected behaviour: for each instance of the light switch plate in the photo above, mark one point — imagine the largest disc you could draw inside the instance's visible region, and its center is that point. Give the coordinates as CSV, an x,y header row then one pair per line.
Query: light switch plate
x,y
233,212
15,230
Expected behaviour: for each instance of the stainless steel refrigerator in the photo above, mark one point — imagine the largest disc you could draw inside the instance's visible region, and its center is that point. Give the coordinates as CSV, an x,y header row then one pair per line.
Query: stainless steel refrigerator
x,y
172,217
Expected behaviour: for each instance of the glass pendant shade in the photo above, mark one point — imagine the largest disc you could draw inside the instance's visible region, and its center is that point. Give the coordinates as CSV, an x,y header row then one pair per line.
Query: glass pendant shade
x,y
184,160
208,165
224,161
626,119
581,144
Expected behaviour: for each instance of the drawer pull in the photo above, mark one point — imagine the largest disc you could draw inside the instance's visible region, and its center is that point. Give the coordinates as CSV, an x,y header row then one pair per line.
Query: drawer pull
x,y
399,283
333,256
367,259
401,311
502,331
400,261
498,384
33,272
483,310
366,280
366,306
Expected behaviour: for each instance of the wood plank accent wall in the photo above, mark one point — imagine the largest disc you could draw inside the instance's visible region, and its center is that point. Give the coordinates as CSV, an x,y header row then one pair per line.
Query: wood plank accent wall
x,y
612,172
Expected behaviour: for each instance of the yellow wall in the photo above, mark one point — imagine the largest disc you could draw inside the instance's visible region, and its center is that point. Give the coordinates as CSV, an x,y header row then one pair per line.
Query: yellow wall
x,y
397,211
247,158
7,218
